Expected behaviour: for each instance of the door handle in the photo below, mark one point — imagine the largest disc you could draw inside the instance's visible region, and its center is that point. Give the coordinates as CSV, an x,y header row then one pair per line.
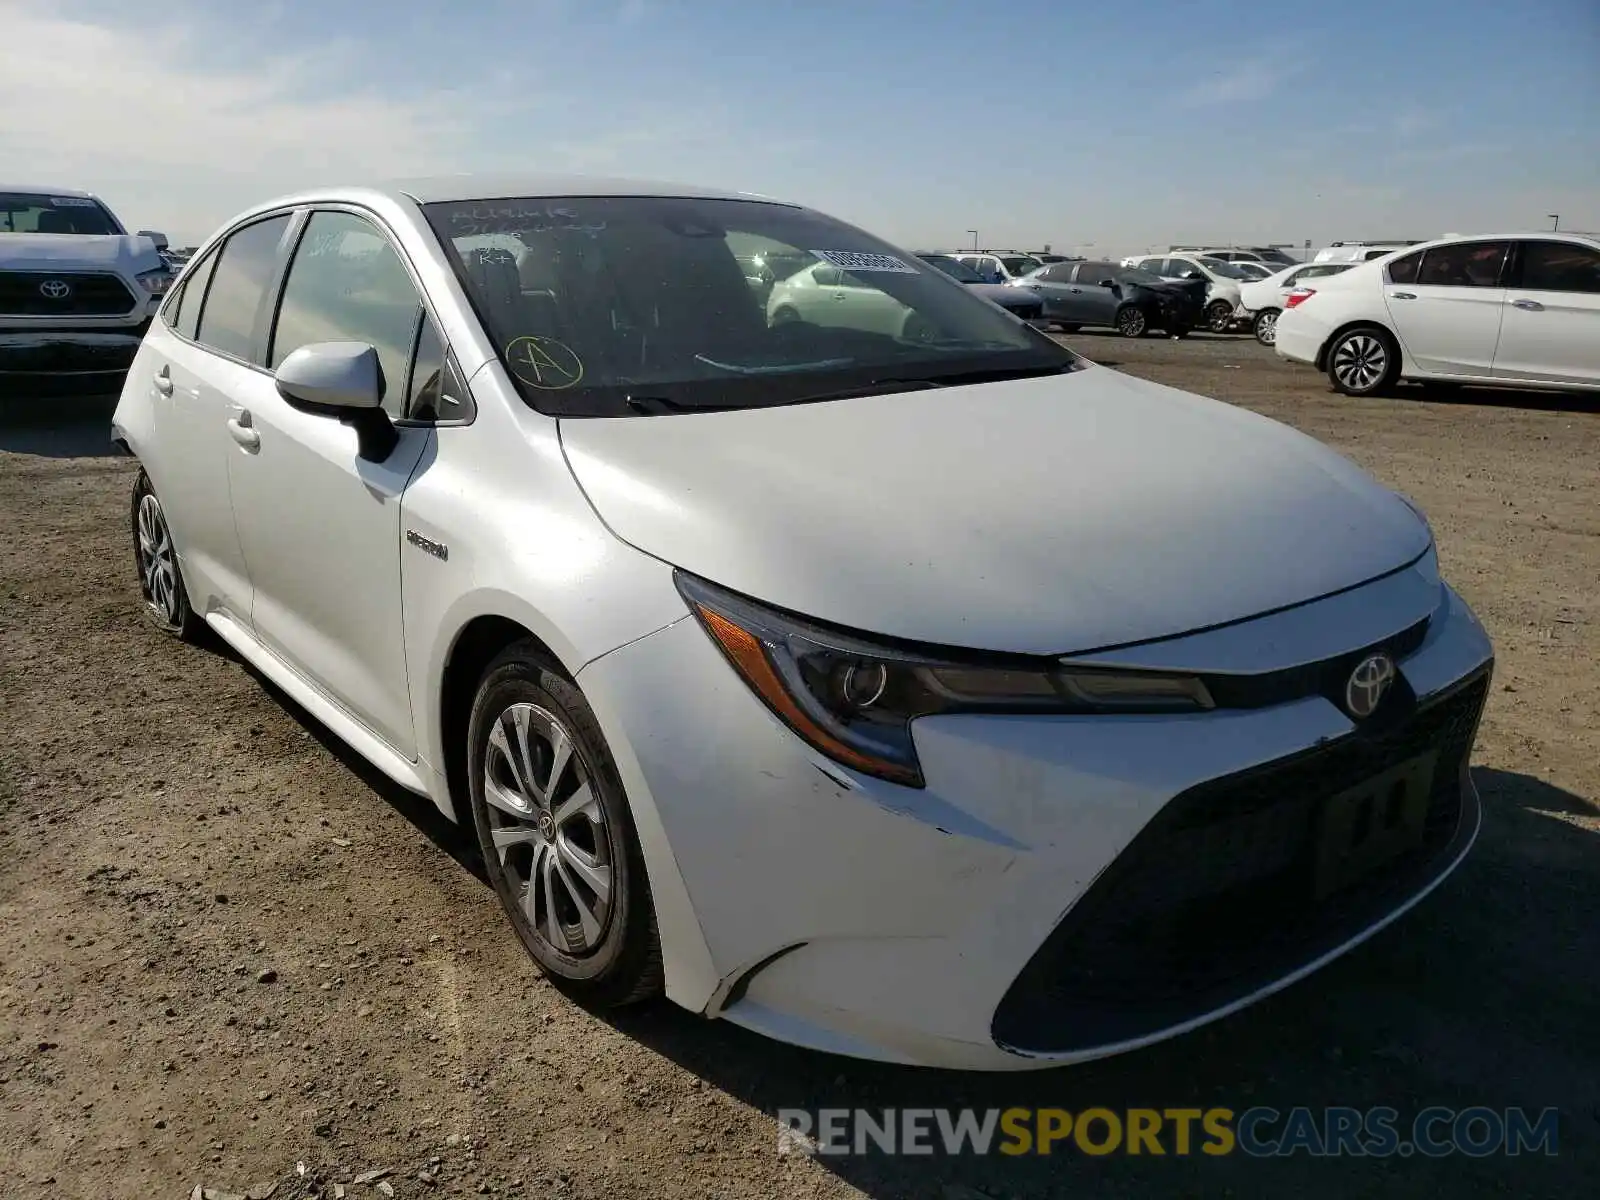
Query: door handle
x,y
1528,305
163,381
1077,291
1402,295
242,430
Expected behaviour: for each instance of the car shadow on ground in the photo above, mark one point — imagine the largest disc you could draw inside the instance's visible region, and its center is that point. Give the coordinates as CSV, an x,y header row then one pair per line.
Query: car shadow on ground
x,y
455,840
68,426
1539,401
1484,995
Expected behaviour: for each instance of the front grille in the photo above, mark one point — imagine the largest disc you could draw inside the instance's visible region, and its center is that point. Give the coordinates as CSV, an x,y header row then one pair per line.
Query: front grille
x,y
1214,898
1326,678
88,294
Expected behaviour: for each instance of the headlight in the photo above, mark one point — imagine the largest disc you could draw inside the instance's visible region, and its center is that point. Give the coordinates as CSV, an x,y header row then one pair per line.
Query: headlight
x,y
156,282
854,697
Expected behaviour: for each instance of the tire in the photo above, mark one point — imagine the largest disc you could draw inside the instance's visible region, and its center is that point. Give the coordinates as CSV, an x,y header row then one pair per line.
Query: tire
x,y
155,559
556,833
1219,315
1130,321
1363,361
1265,326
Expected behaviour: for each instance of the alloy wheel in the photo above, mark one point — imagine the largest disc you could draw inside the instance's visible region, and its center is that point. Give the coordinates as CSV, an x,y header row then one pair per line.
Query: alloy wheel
x,y
548,829
1219,316
157,573
1360,361
1267,328
1130,322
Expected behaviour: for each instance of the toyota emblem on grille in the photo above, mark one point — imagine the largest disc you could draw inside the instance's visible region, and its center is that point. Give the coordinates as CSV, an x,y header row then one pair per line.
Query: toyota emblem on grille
x,y
55,289
1367,685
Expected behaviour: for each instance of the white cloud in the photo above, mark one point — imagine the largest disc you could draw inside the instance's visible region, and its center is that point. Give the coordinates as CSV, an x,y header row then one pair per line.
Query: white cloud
x,y
145,109
1253,79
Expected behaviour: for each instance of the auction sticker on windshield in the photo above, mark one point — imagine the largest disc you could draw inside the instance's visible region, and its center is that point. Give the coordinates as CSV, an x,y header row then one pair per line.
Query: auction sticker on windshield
x,y
859,260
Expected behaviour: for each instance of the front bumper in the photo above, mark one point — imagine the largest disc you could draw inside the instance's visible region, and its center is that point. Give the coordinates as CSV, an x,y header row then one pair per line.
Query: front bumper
x,y
1063,889
69,351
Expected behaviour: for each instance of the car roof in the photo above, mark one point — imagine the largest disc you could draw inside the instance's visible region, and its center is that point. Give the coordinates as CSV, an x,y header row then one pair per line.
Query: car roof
x,y
1533,235
445,188
47,190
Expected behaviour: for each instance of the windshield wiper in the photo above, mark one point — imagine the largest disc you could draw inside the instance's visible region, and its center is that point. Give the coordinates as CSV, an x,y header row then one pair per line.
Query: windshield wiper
x,y
878,387
655,406
820,364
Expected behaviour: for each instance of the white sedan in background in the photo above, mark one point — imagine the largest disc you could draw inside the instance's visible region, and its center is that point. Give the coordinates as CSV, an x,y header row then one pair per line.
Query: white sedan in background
x,y
1264,299
1516,310
944,699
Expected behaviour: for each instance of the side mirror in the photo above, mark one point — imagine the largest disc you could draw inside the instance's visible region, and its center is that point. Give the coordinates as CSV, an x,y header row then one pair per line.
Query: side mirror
x,y
1108,283
160,239
342,380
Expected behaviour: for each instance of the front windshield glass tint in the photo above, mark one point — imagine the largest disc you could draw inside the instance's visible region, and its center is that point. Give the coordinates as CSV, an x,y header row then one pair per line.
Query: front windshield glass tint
x,y
953,267
602,305
30,212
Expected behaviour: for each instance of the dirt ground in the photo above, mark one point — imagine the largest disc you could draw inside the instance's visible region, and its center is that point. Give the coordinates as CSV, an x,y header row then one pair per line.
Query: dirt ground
x,y
228,950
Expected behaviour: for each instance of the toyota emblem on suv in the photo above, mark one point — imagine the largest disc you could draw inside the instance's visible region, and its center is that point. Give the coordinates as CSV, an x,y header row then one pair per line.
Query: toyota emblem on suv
x,y
1367,685
55,289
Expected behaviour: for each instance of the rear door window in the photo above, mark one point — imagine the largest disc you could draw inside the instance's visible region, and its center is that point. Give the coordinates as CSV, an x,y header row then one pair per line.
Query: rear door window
x,y
1464,264
185,315
244,270
1404,270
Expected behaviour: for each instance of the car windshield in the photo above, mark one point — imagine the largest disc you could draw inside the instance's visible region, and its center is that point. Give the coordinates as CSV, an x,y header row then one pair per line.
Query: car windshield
x,y
40,212
610,305
1226,269
952,267
1018,265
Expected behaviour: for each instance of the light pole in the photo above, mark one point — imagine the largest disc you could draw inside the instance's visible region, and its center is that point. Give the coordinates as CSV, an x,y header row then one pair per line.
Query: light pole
x,y
974,234
1555,221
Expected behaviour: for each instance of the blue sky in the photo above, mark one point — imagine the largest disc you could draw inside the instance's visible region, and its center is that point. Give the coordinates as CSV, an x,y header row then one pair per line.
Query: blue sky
x,y
1102,127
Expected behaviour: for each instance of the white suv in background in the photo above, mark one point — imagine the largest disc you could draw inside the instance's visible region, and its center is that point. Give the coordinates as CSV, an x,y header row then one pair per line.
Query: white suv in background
x,y
77,290
1519,310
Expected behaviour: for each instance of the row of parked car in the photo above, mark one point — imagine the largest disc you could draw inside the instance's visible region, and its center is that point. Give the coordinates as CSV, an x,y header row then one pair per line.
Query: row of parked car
x,y
1186,288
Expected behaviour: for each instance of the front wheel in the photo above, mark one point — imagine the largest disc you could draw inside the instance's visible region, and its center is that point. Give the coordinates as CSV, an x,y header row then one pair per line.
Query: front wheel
x,y
1266,326
1219,315
166,598
1363,362
557,835
1130,321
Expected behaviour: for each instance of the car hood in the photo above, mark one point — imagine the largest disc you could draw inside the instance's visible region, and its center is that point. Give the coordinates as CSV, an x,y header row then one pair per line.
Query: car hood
x,y
1049,515
66,251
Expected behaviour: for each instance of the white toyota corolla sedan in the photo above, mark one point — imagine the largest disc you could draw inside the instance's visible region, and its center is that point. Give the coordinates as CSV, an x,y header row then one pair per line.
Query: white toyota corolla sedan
x,y
925,694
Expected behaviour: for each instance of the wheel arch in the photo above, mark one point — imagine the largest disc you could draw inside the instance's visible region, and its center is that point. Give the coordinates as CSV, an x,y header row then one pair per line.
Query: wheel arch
x,y
686,958
474,647
1349,327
